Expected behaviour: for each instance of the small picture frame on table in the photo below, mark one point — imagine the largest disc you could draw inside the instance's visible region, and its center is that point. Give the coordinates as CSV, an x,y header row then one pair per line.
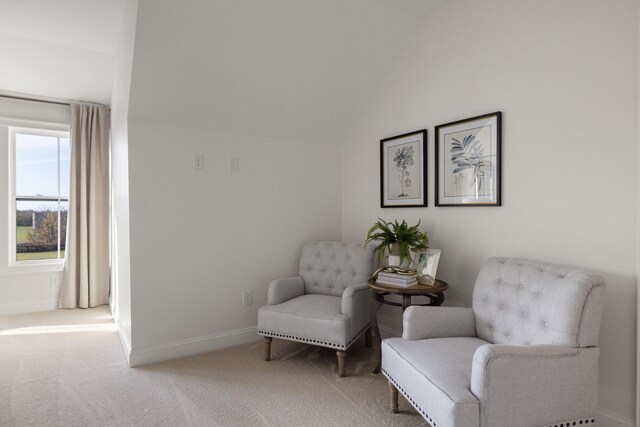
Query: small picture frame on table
x,y
468,162
403,170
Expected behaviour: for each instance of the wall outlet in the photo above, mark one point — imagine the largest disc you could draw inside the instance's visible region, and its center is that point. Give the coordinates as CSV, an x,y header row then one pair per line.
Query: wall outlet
x,y
198,161
247,297
54,281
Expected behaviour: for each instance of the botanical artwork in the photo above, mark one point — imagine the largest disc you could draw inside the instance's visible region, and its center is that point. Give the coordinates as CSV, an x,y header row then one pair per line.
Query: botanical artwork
x,y
403,159
470,160
404,170
403,177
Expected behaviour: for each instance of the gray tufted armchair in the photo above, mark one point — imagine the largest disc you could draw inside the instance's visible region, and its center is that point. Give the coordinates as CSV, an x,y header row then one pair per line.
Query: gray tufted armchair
x,y
327,304
525,355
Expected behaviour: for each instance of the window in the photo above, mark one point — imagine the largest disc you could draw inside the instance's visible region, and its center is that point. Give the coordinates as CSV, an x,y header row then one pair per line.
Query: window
x,y
40,194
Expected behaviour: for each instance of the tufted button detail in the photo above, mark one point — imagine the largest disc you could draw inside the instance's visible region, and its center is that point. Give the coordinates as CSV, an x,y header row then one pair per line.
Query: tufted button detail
x,y
545,324
520,286
508,337
503,307
524,314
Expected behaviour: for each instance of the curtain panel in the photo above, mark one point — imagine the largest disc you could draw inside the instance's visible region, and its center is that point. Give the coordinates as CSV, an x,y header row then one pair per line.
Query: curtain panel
x,y
86,265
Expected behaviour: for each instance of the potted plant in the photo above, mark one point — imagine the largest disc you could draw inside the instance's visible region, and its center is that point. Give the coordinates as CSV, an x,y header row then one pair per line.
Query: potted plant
x,y
397,239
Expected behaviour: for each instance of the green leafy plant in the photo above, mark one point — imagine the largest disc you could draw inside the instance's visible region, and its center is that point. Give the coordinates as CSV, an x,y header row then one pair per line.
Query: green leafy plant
x,y
397,237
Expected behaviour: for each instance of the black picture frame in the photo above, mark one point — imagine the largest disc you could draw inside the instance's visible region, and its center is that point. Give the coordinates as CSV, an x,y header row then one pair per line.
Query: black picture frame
x,y
405,157
468,156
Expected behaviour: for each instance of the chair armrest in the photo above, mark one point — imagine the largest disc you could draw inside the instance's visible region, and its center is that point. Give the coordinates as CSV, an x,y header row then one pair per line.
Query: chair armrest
x,y
535,384
281,290
356,303
438,322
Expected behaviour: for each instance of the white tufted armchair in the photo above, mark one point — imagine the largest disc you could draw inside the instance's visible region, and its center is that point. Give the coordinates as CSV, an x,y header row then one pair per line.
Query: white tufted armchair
x,y
525,355
327,304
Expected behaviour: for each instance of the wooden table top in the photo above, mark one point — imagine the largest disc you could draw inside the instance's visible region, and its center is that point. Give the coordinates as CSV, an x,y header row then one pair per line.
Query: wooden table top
x,y
419,289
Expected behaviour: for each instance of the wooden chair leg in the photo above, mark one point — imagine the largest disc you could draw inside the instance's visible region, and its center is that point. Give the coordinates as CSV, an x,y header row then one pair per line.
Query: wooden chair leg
x,y
266,355
341,357
393,395
368,337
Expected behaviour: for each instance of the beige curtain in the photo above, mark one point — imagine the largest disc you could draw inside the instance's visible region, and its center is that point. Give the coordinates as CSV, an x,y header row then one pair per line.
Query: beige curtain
x,y
86,265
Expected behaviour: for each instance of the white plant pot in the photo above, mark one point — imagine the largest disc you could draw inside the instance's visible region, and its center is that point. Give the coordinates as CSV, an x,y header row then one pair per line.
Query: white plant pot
x,y
394,260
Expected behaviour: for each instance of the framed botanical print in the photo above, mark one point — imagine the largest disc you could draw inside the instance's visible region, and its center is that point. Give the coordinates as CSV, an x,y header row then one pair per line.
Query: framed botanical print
x,y
468,162
403,170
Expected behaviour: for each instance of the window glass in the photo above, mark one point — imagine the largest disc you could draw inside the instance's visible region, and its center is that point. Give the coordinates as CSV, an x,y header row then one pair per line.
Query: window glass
x,y
36,165
37,230
41,195
65,166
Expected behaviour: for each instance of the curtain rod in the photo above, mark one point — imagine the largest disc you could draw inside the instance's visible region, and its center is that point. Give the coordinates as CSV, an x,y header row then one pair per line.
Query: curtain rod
x,y
46,101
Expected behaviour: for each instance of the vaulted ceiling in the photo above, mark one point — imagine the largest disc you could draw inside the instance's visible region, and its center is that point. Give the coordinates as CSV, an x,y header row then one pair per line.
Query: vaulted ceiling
x,y
300,70
292,69
62,48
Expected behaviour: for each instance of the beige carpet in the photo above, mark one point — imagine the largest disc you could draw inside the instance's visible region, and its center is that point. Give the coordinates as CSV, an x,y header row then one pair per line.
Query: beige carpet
x,y
67,368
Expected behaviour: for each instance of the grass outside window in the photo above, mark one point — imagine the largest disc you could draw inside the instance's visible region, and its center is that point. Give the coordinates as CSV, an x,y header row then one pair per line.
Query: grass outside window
x,y
22,236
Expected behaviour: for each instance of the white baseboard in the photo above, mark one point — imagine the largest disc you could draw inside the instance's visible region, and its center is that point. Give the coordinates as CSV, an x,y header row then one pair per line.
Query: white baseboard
x,y
609,419
190,346
124,339
29,307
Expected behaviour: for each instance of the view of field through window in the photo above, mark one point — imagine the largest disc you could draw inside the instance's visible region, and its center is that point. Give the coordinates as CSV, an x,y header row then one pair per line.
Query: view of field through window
x,y
41,194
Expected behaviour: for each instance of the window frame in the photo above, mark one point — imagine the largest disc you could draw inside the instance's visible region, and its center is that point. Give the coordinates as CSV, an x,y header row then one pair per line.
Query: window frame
x,y
13,130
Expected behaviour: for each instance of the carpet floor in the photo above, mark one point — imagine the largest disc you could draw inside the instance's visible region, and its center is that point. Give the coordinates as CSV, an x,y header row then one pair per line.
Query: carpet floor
x,y
67,368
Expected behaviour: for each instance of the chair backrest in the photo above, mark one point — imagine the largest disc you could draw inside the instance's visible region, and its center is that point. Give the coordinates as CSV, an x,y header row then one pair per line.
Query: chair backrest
x,y
329,267
519,301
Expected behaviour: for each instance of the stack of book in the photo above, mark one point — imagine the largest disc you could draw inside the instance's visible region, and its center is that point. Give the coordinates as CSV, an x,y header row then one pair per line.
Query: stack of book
x,y
395,279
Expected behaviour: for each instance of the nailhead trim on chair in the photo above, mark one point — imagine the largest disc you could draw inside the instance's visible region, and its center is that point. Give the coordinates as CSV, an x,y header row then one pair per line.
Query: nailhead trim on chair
x,y
582,422
315,342
413,402
305,340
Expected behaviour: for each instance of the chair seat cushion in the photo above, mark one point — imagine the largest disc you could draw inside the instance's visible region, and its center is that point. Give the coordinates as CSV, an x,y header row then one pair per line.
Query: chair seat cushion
x,y
436,374
311,318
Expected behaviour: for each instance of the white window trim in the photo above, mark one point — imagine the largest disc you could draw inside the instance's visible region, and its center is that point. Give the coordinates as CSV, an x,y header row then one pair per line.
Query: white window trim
x,y
34,266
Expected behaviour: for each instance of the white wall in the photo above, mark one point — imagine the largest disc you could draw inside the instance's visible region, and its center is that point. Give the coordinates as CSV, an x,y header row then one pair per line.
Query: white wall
x,y
24,289
287,69
201,237
120,262
564,74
